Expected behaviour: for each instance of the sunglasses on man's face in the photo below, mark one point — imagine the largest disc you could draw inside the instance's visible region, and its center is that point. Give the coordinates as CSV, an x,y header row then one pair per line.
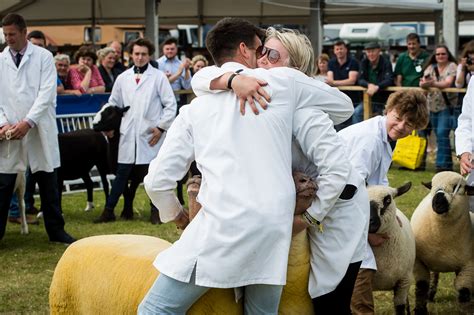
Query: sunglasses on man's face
x,y
272,55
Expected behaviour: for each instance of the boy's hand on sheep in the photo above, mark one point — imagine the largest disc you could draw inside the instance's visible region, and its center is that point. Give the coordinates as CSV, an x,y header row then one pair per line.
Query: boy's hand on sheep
x,y
465,163
377,239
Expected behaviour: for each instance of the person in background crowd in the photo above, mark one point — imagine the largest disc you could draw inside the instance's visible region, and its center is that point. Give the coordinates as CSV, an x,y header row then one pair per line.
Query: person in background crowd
x,y
37,38
142,131
409,70
464,73
322,63
409,66
177,72
440,72
63,62
107,67
343,71
119,67
375,75
28,118
197,63
86,77
369,146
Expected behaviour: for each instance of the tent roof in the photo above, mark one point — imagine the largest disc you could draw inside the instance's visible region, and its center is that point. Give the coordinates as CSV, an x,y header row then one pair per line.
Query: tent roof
x,y
70,12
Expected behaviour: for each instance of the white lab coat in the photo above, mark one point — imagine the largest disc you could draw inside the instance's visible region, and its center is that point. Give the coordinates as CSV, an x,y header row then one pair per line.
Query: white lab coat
x,y
152,104
242,234
345,226
370,153
29,91
464,134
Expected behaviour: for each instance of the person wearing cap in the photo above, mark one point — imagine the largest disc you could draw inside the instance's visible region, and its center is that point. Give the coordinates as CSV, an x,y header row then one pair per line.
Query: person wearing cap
x,y
375,74
86,76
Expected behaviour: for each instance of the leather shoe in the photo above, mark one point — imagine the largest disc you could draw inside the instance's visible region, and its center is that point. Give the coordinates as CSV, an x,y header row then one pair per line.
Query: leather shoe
x,y
106,216
62,237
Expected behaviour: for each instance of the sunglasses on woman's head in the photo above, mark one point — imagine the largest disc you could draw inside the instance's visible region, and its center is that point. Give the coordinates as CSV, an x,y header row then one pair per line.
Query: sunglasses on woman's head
x,y
272,55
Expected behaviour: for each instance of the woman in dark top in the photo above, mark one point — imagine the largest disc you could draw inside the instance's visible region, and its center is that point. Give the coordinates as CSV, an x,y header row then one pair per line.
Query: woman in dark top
x,y
106,67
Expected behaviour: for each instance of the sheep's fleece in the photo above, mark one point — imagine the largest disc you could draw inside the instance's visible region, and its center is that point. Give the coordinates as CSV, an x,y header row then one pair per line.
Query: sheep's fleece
x,y
110,274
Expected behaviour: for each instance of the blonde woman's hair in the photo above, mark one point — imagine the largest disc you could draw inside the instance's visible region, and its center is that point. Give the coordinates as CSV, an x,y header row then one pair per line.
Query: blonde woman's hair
x,y
102,53
300,51
199,58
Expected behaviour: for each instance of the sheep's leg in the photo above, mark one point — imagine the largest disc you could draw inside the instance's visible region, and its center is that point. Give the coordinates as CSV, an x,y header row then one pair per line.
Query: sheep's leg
x,y
400,296
422,278
433,286
193,184
463,284
20,193
90,192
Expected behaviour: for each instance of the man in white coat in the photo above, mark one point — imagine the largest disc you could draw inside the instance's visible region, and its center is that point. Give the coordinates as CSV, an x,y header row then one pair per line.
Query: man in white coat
x,y
369,146
142,131
242,233
28,132
465,131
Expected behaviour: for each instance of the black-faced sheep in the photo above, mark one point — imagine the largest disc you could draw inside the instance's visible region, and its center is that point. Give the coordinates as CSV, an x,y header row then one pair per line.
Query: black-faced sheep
x,y
396,256
444,235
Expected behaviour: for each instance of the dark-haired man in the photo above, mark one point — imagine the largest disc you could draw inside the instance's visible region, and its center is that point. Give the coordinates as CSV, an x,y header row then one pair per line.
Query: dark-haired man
x,y
28,131
152,110
37,38
409,66
244,227
343,71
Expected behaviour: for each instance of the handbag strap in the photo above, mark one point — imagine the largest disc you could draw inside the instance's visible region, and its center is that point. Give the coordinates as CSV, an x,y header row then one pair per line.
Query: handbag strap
x,y
445,96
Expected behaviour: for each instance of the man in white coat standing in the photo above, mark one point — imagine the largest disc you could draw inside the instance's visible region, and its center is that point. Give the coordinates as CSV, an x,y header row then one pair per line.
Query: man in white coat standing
x,y
241,235
28,132
148,93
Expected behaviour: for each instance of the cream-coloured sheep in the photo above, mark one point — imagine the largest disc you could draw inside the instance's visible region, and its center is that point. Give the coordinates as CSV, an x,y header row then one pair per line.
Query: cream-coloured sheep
x,y
444,236
396,256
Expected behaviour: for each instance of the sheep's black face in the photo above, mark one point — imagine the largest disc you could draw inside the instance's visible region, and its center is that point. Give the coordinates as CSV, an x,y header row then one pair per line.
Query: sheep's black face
x,y
440,204
109,118
374,217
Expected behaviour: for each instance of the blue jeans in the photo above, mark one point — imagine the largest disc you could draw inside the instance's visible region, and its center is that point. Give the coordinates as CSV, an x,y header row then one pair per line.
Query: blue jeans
x,y
169,296
358,116
441,124
119,184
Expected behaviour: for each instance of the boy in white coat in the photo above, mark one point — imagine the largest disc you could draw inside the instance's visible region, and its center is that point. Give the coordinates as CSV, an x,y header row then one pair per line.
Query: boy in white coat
x,y
369,145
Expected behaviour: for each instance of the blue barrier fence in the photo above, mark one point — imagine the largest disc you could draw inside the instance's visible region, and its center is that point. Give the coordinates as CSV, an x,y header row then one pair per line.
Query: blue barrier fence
x,y
84,104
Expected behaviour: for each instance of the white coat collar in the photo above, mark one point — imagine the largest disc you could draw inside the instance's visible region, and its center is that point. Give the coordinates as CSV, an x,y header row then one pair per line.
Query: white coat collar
x,y
233,66
6,55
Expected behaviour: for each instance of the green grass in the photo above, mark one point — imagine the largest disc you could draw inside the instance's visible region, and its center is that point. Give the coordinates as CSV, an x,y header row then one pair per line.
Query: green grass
x,y
27,262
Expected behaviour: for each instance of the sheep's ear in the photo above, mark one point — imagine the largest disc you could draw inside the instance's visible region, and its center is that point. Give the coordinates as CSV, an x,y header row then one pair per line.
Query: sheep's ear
x,y
469,190
403,189
125,109
427,185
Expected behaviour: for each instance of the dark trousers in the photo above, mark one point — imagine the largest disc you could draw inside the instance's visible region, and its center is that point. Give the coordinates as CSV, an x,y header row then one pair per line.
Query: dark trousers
x,y
338,302
119,185
48,186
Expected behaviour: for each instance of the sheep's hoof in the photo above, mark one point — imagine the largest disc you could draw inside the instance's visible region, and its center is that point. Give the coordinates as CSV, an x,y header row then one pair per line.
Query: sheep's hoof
x,y
400,309
421,310
24,231
90,206
464,296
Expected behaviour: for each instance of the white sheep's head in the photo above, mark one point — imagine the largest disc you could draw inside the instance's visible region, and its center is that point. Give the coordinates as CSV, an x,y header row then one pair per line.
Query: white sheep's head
x,y
449,191
382,206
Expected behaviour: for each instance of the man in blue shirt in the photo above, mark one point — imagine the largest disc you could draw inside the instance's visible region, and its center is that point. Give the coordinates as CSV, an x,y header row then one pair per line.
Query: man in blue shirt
x,y
343,71
177,72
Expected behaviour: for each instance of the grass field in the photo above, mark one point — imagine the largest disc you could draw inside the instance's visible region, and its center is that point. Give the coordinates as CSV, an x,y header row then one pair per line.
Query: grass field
x,y
27,262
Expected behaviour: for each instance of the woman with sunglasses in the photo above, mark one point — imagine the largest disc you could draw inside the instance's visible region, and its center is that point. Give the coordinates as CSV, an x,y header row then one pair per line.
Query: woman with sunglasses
x,y
440,72
336,253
